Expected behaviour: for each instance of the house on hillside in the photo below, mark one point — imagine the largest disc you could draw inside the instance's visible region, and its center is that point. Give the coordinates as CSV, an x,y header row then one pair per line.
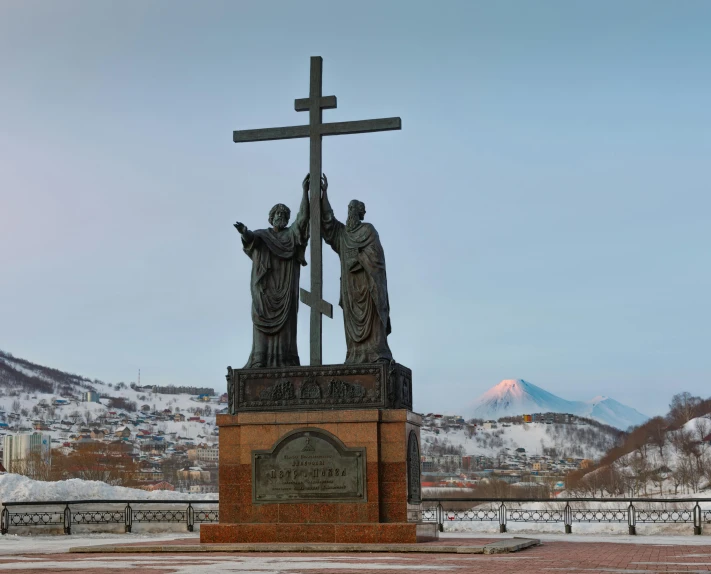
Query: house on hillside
x,y
179,417
98,434
123,432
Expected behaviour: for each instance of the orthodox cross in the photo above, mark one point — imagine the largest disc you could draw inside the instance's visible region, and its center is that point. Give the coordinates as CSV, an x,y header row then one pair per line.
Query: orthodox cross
x,y
315,130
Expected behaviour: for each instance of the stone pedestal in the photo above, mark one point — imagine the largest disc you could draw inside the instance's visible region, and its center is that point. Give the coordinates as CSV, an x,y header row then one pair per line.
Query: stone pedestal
x,y
348,476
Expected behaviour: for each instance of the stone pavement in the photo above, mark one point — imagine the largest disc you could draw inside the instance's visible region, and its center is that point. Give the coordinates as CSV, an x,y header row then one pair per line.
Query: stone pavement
x,y
550,558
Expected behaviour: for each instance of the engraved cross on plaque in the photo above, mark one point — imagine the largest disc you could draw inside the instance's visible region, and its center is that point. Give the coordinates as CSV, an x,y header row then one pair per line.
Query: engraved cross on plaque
x,y
315,130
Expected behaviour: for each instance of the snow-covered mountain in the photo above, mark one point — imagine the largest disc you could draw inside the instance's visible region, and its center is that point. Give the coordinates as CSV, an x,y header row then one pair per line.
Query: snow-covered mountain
x,y
513,397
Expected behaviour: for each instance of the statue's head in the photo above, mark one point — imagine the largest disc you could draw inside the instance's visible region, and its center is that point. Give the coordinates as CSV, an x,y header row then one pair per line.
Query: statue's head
x,y
279,216
356,213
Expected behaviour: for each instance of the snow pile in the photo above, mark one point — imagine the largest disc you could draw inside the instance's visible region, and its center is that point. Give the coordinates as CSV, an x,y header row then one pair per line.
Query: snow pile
x,y
513,397
18,488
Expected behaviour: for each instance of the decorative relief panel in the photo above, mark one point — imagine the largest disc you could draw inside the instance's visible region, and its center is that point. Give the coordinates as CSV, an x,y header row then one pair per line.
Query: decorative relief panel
x,y
414,490
379,385
308,465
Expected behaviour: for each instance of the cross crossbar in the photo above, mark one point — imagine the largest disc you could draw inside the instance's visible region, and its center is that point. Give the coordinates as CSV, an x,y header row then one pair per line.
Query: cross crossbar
x,y
315,130
330,129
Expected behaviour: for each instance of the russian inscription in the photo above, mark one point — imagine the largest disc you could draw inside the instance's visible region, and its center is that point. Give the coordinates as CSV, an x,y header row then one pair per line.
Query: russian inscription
x,y
308,465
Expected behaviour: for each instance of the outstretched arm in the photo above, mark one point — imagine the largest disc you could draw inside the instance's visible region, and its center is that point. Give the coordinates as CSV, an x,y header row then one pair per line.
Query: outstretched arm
x,y
326,211
330,226
302,218
247,235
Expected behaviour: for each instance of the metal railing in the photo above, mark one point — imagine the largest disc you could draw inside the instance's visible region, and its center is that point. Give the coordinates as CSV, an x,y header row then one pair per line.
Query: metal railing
x,y
69,513
567,511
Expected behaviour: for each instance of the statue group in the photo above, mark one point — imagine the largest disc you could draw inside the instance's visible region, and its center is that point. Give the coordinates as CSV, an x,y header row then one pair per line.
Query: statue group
x,y
277,255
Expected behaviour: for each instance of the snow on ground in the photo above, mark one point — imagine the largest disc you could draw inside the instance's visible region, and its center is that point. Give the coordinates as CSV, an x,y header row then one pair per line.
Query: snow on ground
x,y
652,539
13,544
18,488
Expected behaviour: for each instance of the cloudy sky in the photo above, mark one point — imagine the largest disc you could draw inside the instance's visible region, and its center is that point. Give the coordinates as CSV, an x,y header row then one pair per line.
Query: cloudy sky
x,y
545,210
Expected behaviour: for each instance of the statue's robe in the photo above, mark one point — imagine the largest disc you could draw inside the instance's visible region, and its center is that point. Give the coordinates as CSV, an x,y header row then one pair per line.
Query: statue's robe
x,y
277,257
364,289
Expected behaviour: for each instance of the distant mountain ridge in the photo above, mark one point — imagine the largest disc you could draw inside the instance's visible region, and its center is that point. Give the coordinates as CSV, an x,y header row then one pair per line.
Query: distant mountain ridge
x,y
512,397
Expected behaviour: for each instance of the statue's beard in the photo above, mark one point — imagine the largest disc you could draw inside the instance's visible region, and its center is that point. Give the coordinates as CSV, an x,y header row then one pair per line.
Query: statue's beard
x,y
353,221
279,223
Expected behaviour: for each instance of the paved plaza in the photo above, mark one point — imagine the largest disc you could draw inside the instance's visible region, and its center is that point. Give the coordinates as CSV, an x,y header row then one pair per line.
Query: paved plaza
x,y
555,555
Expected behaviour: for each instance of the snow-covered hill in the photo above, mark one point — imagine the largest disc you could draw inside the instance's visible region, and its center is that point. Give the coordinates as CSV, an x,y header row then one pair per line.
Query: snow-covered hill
x,y
577,441
32,394
512,397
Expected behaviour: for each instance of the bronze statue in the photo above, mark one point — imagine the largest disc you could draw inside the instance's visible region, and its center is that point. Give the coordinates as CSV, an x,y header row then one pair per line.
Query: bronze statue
x,y
277,254
364,286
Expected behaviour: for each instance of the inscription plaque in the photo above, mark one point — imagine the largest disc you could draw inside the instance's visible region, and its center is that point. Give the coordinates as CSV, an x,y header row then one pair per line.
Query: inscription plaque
x,y
308,465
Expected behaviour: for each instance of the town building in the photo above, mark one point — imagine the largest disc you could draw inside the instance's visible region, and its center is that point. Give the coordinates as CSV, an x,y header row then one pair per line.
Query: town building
x,y
17,448
90,397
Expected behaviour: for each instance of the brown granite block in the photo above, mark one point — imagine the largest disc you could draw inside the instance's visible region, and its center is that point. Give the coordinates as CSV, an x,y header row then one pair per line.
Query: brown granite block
x,y
328,427
371,481
283,429
393,471
373,512
229,495
245,455
229,445
227,473
393,491
348,433
359,416
257,533
225,420
299,418
293,512
306,533
371,451
256,418
367,432
393,452
245,512
265,512
392,432
317,417
258,437
357,533
322,512
397,533
215,533
393,415
393,512
244,474
229,513
348,512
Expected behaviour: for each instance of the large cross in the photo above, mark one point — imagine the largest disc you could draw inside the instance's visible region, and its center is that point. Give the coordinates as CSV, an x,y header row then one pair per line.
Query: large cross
x,y
315,130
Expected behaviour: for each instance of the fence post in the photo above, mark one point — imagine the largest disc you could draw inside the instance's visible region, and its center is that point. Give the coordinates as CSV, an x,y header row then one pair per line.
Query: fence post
x,y
4,520
67,520
568,518
440,517
502,518
190,517
697,519
128,517
632,519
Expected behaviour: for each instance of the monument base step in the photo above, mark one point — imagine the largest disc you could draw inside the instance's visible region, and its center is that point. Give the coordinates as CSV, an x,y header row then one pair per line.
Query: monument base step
x,y
358,533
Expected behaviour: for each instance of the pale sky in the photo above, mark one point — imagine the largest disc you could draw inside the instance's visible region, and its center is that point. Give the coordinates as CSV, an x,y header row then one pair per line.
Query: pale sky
x,y
545,210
